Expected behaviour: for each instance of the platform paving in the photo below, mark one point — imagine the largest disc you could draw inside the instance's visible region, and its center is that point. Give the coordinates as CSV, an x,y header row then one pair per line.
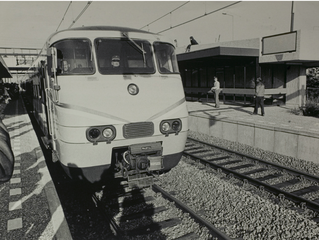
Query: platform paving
x,y
29,206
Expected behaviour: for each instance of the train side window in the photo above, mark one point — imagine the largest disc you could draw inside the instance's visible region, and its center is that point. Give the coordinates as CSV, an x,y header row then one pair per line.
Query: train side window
x,y
74,57
166,58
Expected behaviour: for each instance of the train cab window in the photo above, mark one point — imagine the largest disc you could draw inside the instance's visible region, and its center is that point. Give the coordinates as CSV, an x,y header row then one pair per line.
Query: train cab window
x,y
166,58
74,57
124,56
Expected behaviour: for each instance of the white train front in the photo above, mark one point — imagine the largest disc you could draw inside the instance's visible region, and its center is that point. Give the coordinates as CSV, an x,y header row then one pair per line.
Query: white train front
x,y
110,100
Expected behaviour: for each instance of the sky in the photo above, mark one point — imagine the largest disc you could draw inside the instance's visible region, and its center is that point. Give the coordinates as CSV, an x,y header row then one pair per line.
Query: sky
x,y
27,24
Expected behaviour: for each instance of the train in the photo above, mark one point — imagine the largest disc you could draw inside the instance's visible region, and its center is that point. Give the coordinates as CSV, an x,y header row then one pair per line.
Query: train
x,y
110,102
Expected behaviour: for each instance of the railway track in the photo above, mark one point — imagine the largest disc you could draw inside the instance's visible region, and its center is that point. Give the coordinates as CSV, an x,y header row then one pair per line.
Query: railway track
x,y
151,213
296,186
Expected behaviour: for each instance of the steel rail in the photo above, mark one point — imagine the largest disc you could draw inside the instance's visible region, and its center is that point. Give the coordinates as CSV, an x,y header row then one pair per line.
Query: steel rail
x,y
213,230
278,166
120,233
299,200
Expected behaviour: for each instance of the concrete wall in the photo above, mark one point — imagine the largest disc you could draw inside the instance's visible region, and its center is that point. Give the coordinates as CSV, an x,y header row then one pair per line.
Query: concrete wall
x,y
296,85
299,144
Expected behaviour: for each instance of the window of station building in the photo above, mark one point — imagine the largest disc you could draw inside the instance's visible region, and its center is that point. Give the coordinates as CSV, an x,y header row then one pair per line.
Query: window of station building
x,y
239,77
229,77
210,77
203,77
250,76
183,73
279,76
124,56
220,76
195,77
266,75
188,77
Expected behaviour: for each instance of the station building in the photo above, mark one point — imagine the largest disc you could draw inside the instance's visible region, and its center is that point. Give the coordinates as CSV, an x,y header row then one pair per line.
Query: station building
x,y
280,60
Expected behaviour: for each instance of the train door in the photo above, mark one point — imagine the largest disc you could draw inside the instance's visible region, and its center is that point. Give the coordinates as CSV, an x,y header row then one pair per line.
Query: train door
x,y
51,95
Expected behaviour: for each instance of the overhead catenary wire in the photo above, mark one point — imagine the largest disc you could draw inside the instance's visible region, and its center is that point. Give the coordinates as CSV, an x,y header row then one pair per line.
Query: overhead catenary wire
x,y
165,15
84,9
64,15
204,15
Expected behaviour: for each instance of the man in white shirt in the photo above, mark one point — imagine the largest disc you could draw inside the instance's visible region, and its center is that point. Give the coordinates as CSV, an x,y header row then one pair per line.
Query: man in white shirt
x,y
216,91
259,95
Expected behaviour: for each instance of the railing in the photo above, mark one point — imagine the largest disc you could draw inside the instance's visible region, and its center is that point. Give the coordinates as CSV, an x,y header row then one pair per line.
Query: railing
x,y
233,94
19,51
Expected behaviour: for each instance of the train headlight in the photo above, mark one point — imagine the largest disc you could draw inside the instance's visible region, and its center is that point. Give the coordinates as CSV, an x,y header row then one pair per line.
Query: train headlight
x,y
165,127
109,133
171,126
94,133
176,125
101,134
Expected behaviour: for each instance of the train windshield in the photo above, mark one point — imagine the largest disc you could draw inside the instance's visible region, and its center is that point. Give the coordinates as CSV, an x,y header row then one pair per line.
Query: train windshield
x,y
124,56
74,57
166,58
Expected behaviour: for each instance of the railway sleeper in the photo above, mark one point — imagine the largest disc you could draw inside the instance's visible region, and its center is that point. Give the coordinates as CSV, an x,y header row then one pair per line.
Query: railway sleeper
x,y
147,212
287,183
188,236
303,191
270,176
153,227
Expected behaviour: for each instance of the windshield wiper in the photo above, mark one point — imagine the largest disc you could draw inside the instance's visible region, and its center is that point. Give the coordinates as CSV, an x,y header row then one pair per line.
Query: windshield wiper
x,y
136,45
132,41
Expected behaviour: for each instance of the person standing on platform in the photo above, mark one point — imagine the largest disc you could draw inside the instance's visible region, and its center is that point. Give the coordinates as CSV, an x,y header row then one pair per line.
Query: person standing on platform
x,y
216,91
259,95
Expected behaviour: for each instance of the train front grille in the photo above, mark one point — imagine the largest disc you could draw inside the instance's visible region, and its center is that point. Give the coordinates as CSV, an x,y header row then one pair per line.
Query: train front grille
x,y
137,130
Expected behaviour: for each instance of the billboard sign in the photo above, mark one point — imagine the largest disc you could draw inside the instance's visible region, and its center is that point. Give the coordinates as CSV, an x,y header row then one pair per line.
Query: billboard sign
x,y
281,43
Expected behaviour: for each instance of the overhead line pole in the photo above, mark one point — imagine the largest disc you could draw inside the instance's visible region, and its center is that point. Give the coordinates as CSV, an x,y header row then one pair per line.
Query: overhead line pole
x,y
292,17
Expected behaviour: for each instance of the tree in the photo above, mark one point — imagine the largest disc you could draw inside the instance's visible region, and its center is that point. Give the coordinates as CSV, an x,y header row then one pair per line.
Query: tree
x,y
313,77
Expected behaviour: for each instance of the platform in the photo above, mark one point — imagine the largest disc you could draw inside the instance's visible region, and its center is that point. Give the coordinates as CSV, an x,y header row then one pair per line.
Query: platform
x,y
29,206
280,130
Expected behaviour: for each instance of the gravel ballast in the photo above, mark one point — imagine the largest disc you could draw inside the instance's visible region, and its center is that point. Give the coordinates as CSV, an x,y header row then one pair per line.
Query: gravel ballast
x,y
237,210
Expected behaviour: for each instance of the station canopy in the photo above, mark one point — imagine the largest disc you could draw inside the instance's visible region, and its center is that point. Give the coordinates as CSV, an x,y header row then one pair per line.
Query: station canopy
x,y
221,50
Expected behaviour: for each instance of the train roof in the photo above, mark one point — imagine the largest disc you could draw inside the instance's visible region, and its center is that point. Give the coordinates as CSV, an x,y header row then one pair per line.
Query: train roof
x,y
101,28
108,28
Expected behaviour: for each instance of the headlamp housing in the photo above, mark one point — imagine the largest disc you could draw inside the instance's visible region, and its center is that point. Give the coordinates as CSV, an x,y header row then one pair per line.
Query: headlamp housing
x,y
101,134
170,126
